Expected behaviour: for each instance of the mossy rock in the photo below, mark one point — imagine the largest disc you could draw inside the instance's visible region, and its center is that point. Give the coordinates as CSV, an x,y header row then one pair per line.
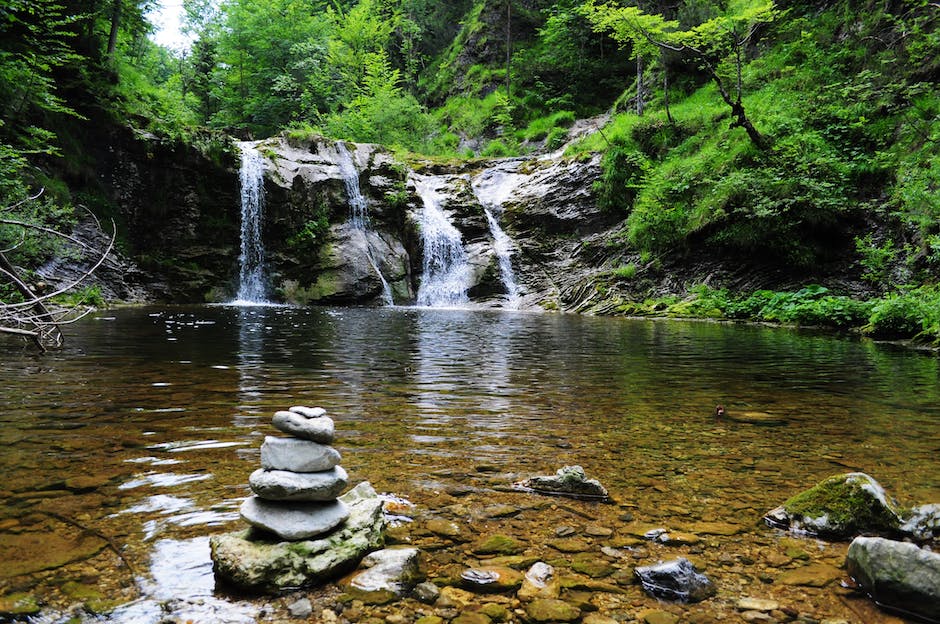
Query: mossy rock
x,y
19,604
839,507
498,545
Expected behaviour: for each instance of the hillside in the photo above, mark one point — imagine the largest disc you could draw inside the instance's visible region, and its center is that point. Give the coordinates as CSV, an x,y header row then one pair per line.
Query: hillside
x,y
762,161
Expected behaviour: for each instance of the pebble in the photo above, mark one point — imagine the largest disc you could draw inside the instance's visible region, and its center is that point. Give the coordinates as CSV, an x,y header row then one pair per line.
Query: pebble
x,y
301,609
427,592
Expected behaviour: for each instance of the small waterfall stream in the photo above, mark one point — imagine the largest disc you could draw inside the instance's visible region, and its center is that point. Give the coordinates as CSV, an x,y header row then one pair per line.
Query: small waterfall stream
x,y
446,273
492,188
251,259
359,212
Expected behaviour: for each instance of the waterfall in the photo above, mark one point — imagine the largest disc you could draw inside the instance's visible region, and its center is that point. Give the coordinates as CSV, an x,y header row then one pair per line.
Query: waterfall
x,y
492,188
446,273
359,212
251,259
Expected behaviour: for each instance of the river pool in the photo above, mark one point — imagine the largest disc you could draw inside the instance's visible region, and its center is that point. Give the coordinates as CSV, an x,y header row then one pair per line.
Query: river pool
x,y
123,452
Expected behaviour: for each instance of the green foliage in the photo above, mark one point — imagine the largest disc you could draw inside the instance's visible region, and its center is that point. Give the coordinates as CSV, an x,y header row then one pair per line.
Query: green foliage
x,y
624,170
911,313
306,241
875,259
625,272
85,296
542,127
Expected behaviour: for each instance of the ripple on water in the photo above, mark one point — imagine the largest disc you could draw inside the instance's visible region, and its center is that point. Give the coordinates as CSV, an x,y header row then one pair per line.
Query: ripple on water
x,y
163,479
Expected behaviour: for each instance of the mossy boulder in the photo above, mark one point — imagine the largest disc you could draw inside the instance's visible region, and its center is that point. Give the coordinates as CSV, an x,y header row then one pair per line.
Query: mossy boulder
x,y
839,507
897,575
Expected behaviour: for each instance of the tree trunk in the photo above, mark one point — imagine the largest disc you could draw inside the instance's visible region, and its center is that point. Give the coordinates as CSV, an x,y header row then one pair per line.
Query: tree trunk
x,y
115,24
640,104
672,121
508,47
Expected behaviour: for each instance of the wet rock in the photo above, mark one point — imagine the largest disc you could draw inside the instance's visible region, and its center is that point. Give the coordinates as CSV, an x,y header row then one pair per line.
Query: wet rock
x,y
454,597
715,528
19,604
922,522
598,531
471,617
501,511
300,521
245,561
565,531
756,604
498,545
655,616
316,429
496,612
516,562
551,610
839,507
539,582
567,481
388,574
897,574
570,545
302,609
591,565
444,528
675,580
430,619
427,592
491,579
296,455
814,575
281,485
596,618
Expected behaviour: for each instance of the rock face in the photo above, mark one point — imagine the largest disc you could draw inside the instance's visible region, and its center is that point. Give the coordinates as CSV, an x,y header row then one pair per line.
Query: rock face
x,y
839,507
675,580
256,563
897,575
568,481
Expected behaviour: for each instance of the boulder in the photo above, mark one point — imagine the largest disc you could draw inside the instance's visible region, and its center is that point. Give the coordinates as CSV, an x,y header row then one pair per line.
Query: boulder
x,y
568,481
298,521
897,575
281,485
318,429
839,507
388,574
250,562
922,522
675,580
296,455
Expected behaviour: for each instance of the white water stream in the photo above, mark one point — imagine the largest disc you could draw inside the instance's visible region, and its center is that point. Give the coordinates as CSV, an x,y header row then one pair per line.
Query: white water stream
x,y
251,259
445,276
359,212
492,188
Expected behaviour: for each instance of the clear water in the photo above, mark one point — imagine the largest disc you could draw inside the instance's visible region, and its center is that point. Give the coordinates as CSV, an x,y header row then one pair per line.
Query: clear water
x,y
251,259
146,427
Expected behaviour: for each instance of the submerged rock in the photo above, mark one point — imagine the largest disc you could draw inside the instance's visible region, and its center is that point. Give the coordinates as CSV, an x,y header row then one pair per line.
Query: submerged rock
x,y
568,481
388,574
675,580
250,562
839,507
897,575
490,579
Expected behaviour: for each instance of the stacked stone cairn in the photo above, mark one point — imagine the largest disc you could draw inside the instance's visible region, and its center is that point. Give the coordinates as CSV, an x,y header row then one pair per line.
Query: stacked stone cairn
x,y
300,478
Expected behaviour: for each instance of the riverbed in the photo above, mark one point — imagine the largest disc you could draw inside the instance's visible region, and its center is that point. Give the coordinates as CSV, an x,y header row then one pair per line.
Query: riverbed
x,y
123,452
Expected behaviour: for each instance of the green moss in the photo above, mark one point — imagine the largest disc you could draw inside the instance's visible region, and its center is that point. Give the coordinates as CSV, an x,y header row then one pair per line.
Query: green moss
x,y
844,505
498,545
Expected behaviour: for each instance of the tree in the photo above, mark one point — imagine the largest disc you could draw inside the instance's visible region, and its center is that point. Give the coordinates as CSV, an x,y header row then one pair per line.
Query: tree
x,y
25,312
716,45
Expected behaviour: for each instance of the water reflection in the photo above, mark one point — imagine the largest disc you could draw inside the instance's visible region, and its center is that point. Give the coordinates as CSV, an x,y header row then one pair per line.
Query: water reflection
x,y
161,412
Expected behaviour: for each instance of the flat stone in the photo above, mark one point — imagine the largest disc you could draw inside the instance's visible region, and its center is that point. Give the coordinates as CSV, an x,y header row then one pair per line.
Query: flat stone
x,y
294,521
443,528
296,455
498,545
756,604
569,545
487,579
814,575
655,616
715,528
308,412
247,561
314,429
551,610
567,481
281,485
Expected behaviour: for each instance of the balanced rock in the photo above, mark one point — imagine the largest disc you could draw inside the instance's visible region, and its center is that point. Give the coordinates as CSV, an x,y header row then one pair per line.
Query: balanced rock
x,y
298,521
252,563
319,429
568,481
281,485
308,412
296,455
839,507
675,580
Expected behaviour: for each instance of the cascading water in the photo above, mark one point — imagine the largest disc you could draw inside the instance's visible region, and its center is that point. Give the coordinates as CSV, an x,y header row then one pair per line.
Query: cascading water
x,y
359,212
492,188
251,259
446,273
